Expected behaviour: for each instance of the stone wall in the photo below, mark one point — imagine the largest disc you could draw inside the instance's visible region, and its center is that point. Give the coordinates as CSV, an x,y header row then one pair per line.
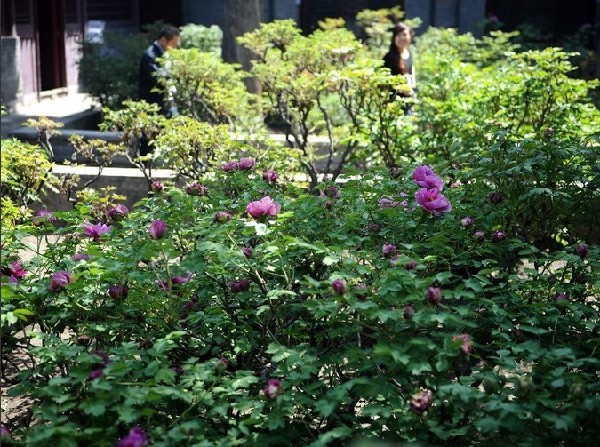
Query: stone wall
x,y
10,70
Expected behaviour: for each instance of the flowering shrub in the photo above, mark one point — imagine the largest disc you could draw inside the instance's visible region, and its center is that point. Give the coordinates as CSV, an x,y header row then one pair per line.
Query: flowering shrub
x,y
295,322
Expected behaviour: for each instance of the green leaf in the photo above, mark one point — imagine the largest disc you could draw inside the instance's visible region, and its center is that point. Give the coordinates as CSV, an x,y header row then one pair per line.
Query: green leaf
x,y
94,407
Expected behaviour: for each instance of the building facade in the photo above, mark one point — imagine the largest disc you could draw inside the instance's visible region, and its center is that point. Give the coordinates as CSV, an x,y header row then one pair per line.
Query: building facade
x,y
40,38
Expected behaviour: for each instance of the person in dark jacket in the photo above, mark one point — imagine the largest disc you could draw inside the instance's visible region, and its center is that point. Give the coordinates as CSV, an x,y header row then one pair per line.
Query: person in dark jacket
x,y
168,38
399,58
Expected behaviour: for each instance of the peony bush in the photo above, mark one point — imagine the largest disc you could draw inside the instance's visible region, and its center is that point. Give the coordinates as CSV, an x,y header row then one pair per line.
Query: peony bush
x,y
256,313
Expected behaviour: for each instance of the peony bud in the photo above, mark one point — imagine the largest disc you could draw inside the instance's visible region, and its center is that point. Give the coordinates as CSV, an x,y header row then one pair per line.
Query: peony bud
x,y
195,189
467,221
157,229
421,401
582,250
498,236
118,291
389,250
338,286
496,198
273,388
240,285
434,295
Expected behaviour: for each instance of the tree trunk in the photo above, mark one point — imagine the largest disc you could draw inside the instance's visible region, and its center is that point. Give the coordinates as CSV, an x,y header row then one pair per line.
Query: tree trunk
x,y
240,17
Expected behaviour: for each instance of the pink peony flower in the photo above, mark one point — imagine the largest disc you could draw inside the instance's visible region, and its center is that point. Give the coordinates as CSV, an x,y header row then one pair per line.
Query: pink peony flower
x,y
4,431
339,286
389,250
410,265
118,212
467,222
273,388
245,164
81,257
222,216
432,201
331,191
178,280
157,228
95,231
15,270
118,291
96,374
59,280
157,186
137,437
434,295
424,177
270,177
240,285
247,252
421,401
263,207
387,202
195,189
498,236
466,345
582,250
408,311
43,216
479,236
230,166
495,198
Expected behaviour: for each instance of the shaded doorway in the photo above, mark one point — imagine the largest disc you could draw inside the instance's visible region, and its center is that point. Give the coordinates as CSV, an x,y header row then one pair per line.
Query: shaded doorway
x,y
51,40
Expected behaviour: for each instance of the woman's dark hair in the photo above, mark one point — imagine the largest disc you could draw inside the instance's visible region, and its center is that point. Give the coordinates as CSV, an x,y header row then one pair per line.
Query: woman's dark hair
x,y
168,32
397,29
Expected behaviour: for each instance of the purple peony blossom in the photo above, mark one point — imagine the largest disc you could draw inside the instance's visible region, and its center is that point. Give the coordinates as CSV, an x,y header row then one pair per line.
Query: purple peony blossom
x,y
245,164
195,189
339,286
59,280
157,228
479,236
95,231
496,198
240,285
157,186
421,401
230,166
263,207
389,250
467,222
387,202
137,437
247,252
118,291
432,201
273,388
270,177
184,279
434,295
410,265
408,311
43,216
4,431
424,177
582,250
15,270
331,191
222,216
96,374
466,345
498,236
81,257
118,212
